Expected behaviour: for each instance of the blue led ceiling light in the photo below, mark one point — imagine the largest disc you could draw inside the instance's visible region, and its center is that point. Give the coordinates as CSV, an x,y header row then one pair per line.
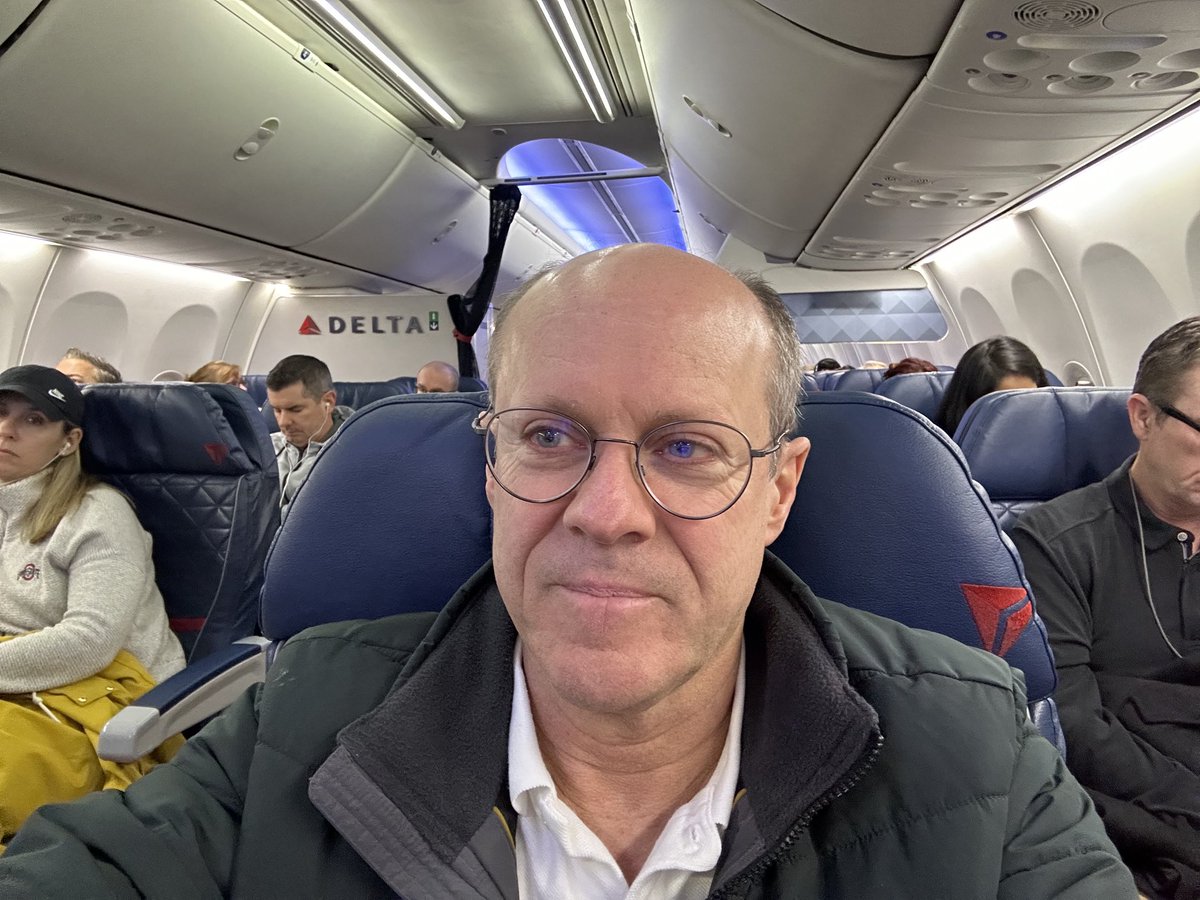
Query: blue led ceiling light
x,y
600,213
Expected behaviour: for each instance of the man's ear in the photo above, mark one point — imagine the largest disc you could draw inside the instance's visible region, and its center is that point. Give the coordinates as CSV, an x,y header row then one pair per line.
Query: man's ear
x,y
792,457
1141,414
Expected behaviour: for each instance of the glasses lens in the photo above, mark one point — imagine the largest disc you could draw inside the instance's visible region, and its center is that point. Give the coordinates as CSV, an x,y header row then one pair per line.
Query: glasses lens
x,y
536,454
695,469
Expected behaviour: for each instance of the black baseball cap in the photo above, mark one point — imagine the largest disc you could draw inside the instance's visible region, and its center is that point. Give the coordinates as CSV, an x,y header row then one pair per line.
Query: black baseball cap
x,y
49,390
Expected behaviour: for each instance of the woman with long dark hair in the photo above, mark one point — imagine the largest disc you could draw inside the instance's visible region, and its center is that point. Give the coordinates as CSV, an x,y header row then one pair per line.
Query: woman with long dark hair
x,y
998,364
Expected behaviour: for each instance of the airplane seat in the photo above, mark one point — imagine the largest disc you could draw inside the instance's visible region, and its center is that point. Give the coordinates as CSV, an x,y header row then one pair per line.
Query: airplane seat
x,y
1026,447
859,380
810,383
405,536
945,368
887,519
829,378
919,391
1052,380
406,384
201,472
468,384
256,387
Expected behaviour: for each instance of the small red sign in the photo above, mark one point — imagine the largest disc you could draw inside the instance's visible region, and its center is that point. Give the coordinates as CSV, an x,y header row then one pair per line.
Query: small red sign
x,y
308,326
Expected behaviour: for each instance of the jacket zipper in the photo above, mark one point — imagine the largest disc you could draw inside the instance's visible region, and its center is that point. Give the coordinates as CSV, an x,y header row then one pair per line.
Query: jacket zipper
x,y
861,767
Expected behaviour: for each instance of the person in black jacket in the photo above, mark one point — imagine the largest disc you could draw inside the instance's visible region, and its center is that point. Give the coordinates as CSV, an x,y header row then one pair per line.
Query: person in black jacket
x,y
1116,578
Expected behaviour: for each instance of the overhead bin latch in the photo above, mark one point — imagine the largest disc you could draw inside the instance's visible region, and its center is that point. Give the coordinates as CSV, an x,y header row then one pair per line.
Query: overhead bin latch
x,y
306,57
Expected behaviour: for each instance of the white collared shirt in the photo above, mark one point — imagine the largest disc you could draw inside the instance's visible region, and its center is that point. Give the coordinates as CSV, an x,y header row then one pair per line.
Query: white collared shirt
x,y
558,856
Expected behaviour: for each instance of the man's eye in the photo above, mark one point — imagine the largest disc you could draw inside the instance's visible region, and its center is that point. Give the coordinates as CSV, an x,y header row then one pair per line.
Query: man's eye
x,y
548,438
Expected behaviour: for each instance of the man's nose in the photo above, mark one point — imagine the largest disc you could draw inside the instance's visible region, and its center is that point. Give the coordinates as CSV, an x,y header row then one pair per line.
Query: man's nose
x,y
611,503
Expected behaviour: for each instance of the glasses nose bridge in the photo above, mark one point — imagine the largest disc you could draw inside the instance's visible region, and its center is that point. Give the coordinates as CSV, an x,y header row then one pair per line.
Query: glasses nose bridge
x,y
595,455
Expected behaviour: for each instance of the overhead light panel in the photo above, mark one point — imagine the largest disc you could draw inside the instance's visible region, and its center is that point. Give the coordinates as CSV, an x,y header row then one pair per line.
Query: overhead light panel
x,y
352,28
578,54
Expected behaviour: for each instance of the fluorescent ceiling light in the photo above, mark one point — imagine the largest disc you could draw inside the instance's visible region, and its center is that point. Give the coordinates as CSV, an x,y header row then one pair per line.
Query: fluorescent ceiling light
x,y
420,90
579,58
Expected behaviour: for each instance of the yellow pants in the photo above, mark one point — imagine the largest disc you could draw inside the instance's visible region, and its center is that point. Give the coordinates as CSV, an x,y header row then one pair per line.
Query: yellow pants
x,y
48,741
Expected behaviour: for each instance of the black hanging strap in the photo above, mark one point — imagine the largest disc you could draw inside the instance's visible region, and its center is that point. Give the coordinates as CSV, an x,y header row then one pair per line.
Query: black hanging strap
x,y
467,310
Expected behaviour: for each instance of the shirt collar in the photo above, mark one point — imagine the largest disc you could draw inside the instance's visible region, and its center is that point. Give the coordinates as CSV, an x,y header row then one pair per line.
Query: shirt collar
x,y
1121,492
527,772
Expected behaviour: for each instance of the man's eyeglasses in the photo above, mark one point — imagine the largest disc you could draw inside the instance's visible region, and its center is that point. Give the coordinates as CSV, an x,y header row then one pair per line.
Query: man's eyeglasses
x,y
1176,414
693,469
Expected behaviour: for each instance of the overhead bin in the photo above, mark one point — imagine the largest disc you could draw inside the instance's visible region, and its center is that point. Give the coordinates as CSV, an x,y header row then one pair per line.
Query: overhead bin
x,y
185,108
1014,98
756,107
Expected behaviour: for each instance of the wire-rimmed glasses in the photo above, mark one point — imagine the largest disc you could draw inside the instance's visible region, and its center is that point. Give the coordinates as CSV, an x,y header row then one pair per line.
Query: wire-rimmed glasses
x,y
694,469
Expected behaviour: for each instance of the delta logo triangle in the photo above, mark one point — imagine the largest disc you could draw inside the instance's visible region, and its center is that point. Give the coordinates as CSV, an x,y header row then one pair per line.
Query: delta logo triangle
x,y
308,326
218,453
1000,614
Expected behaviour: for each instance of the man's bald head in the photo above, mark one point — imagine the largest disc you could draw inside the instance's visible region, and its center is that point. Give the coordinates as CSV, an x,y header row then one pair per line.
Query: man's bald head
x,y
663,277
437,378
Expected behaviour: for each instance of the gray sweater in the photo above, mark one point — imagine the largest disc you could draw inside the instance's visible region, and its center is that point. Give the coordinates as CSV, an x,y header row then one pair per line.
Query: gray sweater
x,y
80,596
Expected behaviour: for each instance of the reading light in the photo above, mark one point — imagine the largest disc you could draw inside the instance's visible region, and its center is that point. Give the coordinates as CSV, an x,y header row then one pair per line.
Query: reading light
x,y
417,87
579,57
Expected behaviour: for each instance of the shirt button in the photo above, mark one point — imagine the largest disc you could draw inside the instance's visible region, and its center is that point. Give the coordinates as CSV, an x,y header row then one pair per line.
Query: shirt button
x,y
1182,537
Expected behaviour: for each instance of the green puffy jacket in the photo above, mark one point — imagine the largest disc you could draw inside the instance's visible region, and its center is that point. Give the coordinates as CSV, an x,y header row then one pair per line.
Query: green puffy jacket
x,y
877,762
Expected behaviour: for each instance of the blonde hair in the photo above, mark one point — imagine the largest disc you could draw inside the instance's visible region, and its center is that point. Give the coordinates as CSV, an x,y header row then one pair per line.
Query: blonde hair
x,y
217,372
64,491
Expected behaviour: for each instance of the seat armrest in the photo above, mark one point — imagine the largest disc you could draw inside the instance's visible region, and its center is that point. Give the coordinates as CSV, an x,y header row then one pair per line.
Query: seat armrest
x,y
201,690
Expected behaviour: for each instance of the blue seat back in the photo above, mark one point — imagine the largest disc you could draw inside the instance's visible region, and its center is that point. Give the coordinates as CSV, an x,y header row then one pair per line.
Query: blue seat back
x,y
887,519
393,517
1052,380
1026,447
256,387
397,499
468,384
827,380
199,467
810,383
920,391
860,380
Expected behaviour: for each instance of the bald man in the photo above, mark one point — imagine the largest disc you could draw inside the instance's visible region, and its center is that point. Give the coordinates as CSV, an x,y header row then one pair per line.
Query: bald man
x,y
633,699
437,378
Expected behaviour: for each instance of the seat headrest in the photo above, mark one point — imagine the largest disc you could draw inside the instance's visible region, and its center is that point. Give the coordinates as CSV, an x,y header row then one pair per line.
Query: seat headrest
x,y
1037,444
176,427
887,519
920,391
393,517
810,383
470,384
859,380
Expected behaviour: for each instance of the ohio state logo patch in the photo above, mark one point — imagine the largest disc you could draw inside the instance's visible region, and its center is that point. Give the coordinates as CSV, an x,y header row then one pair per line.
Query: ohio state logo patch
x,y
30,572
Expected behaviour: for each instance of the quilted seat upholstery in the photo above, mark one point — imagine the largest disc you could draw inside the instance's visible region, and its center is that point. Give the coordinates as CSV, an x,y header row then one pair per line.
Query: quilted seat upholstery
x,y
199,467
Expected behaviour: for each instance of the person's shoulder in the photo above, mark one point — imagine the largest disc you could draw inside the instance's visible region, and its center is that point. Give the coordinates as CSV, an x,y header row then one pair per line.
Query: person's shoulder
x,y
391,640
1081,508
103,505
890,647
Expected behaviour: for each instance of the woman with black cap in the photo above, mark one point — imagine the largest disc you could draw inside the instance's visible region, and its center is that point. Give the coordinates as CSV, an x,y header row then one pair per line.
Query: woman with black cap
x,y
83,630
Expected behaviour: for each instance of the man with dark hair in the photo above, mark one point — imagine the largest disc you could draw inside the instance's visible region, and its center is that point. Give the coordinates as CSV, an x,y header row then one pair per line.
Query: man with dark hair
x,y
828,364
1117,581
87,368
437,378
300,391
633,699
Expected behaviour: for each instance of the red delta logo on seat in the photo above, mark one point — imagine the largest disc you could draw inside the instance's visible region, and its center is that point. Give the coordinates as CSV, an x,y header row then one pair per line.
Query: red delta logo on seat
x,y
1000,613
218,453
308,326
